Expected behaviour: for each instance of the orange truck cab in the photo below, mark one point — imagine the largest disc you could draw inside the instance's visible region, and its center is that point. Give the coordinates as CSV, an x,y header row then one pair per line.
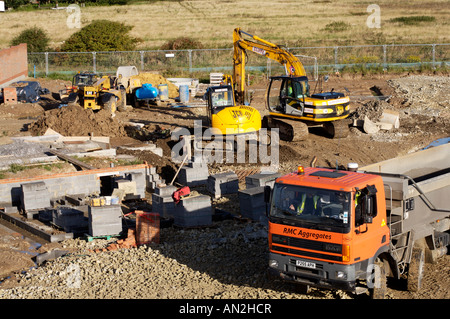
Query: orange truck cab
x,y
348,230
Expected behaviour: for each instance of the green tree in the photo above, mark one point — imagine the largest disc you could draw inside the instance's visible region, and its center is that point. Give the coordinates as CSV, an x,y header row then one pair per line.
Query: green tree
x,y
14,4
36,39
101,35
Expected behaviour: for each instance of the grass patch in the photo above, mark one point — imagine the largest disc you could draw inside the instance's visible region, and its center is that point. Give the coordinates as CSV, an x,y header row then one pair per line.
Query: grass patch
x,y
337,26
413,20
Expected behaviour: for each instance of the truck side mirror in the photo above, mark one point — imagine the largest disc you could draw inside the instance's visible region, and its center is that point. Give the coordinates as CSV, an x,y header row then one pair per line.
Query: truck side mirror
x,y
368,209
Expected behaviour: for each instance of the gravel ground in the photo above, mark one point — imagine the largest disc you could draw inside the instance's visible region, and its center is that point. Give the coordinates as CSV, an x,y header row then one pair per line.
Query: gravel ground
x,y
227,261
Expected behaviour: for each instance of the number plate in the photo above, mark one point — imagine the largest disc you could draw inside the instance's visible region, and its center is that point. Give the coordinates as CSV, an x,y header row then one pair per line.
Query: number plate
x,y
306,264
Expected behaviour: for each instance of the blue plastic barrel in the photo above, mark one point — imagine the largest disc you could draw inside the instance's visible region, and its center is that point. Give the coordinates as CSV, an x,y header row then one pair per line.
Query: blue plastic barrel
x,y
163,92
147,91
184,93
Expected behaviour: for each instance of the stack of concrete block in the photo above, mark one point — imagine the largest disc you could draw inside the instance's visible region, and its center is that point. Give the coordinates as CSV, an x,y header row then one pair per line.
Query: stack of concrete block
x,y
195,173
261,179
193,211
252,203
69,218
153,179
35,196
223,183
162,201
104,220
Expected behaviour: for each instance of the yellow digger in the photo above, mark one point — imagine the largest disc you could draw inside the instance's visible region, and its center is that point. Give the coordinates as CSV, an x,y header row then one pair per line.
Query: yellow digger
x,y
224,116
101,94
291,106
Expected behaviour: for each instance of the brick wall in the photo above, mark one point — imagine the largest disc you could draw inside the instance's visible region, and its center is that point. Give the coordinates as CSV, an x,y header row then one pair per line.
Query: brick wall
x,y
13,64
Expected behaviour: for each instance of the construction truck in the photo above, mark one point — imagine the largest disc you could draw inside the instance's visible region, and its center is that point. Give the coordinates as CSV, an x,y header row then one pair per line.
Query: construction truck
x,y
349,229
292,108
102,94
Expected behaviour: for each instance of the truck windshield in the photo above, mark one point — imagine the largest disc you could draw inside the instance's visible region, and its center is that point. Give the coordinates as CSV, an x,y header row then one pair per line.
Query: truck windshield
x,y
311,207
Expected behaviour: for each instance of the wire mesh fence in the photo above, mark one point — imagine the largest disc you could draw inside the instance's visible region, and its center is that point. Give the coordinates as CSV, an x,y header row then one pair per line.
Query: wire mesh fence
x,y
200,62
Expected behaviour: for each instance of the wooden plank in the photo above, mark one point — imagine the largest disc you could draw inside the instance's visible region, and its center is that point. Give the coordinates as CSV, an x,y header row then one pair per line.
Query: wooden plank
x,y
72,160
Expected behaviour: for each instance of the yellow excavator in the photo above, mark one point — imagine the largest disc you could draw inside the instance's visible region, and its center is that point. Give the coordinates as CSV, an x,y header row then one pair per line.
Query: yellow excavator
x,y
291,106
225,117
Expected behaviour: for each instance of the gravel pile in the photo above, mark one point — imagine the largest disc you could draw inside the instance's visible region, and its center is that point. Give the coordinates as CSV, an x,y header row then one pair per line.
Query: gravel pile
x,y
226,261
421,92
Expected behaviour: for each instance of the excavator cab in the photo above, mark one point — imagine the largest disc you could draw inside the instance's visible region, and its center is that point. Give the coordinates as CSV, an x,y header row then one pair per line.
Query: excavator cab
x,y
220,97
287,94
225,117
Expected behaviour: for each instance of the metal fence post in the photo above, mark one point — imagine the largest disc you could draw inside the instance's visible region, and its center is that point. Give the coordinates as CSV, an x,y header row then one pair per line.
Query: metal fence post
x,y
190,61
384,57
94,61
46,63
142,60
434,55
336,59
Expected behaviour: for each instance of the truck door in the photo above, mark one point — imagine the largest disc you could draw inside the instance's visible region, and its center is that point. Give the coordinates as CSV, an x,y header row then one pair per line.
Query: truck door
x,y
370,230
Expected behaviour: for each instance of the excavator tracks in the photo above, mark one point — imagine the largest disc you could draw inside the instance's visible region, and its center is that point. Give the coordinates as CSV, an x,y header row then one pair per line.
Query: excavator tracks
x,y
289,130
337,129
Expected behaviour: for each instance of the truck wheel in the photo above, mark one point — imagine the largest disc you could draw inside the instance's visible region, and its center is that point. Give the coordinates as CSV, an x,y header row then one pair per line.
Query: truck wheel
x,y
379,285
415,270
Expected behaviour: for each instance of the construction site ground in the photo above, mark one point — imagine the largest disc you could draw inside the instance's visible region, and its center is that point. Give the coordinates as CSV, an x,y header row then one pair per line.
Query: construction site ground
x,y
228,260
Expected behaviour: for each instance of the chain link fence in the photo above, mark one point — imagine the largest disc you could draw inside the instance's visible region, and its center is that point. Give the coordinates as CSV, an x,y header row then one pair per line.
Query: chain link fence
x,y
199,63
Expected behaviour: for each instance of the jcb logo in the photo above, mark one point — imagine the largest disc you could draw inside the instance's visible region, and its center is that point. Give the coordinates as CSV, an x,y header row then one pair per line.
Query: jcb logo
x,y
236,114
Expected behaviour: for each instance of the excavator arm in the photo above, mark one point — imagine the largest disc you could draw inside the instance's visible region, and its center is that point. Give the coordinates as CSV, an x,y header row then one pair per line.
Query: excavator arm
x,y
259,46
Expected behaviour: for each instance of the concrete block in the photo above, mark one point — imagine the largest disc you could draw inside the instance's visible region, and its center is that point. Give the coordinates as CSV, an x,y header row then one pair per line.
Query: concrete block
x,y
251,202
8,208
189,176
261,179
36,186
223,183
69,218
165,190
129,187
164,205
104,220
76,199
34,196
193,211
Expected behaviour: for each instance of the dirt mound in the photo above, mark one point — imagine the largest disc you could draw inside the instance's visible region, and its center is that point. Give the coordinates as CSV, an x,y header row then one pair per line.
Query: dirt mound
x,y
76,121
157,79
371,109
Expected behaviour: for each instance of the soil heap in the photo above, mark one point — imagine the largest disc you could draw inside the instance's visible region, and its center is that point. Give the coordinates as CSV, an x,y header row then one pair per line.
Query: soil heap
x,y
76,121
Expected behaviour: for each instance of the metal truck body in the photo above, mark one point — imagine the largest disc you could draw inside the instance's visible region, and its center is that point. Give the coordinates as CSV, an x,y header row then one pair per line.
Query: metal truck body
x,y
385,219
